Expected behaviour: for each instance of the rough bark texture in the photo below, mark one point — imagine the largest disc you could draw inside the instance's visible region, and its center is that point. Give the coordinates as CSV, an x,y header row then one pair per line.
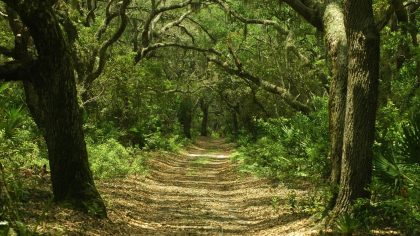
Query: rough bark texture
x,y
329,18
362,93
335,37
53,83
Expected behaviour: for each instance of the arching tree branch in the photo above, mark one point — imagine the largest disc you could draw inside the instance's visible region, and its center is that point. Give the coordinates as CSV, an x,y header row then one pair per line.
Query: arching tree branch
x,y
174,23
213,39
144,52
272,88
245,20
102,52
308,10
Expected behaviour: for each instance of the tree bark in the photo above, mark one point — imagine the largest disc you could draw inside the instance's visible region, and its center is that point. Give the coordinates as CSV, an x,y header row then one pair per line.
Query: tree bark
x,y
185,116
361,103
54,85
329,19
204,122
336,41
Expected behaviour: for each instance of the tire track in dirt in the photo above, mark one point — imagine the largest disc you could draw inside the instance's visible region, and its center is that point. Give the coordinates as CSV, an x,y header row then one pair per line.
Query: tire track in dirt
x,y
199,192
196,192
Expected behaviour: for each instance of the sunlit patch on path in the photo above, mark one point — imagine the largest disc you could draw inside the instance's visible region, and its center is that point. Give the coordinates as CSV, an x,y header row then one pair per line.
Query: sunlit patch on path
x,y
196,192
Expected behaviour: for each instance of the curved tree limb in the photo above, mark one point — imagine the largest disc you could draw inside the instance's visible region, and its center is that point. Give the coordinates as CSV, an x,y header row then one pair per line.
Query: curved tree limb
x,y
154,16
269,87
104,47
109,16
385,19
172,7
213,39
245,20
2,14
175,23
308,11
145,51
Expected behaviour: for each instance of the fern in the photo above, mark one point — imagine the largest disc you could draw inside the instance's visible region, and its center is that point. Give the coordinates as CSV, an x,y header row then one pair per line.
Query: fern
x,y
389,172
346,224
14,118
411,143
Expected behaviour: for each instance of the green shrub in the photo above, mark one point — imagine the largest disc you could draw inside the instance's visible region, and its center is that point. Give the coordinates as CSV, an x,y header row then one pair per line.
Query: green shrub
x,y
395,186
111,159
288,147
346,224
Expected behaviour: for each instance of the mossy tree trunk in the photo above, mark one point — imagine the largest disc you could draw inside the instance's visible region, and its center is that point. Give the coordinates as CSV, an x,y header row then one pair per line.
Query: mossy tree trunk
x,y
336,41
56,110
362,95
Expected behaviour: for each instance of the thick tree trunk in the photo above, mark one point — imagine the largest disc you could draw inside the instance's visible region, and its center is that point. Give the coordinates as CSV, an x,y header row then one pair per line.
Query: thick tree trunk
x,y
329,19
335,37
361,105
57,110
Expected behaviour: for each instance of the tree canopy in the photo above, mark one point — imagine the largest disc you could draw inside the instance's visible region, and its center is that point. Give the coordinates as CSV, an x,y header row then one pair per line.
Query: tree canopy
x,y
324,93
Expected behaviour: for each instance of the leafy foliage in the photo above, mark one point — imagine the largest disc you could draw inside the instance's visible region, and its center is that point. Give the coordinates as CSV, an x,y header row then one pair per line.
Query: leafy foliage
x,y
288,147
411,141
111,159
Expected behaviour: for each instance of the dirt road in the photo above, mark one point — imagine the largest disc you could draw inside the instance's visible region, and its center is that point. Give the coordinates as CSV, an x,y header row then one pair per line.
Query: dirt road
x,y
196,192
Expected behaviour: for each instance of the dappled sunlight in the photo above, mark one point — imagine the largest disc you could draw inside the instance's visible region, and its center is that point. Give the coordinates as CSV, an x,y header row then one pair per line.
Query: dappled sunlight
x,y
170,200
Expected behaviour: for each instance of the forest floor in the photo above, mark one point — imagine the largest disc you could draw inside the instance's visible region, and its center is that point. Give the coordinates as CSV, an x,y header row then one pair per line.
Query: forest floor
x,y
196,192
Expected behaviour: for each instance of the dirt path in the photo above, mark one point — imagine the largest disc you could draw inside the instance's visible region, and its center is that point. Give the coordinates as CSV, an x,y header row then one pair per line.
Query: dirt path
x,y
198,192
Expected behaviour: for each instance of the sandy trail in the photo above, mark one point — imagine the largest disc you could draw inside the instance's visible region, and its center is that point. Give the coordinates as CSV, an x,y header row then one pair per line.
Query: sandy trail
x,y
196,192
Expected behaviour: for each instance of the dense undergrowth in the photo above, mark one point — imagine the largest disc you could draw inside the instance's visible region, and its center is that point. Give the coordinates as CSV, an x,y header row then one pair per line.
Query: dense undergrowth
x,y
290,150
24,161
295,149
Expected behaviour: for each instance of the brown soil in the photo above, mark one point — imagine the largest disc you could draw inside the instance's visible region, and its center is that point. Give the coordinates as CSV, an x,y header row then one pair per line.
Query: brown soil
x,y
196,192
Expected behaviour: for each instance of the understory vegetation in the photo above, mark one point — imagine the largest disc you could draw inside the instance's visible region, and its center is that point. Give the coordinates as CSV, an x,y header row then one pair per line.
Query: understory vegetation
x,y
288,82
292,150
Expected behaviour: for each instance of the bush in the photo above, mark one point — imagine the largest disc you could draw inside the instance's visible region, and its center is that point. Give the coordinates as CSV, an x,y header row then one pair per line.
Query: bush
x,y
111,159
288,147
395,187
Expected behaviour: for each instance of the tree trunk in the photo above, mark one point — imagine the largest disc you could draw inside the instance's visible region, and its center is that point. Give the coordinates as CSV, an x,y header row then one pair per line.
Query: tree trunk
x,y
205,109
335,37
57,109
329,19
361,103
235,124
185,116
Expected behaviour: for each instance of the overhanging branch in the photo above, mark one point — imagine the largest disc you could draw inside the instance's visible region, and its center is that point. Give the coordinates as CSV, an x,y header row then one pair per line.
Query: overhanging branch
x,y
145,51
308,12
245,20
272,88
105,45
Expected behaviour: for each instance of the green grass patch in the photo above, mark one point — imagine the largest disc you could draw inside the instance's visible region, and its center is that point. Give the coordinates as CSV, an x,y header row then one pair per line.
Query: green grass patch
x,y
202,160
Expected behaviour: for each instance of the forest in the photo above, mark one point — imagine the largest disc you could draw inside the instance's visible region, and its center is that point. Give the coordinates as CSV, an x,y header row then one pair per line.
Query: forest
x,y
209,117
